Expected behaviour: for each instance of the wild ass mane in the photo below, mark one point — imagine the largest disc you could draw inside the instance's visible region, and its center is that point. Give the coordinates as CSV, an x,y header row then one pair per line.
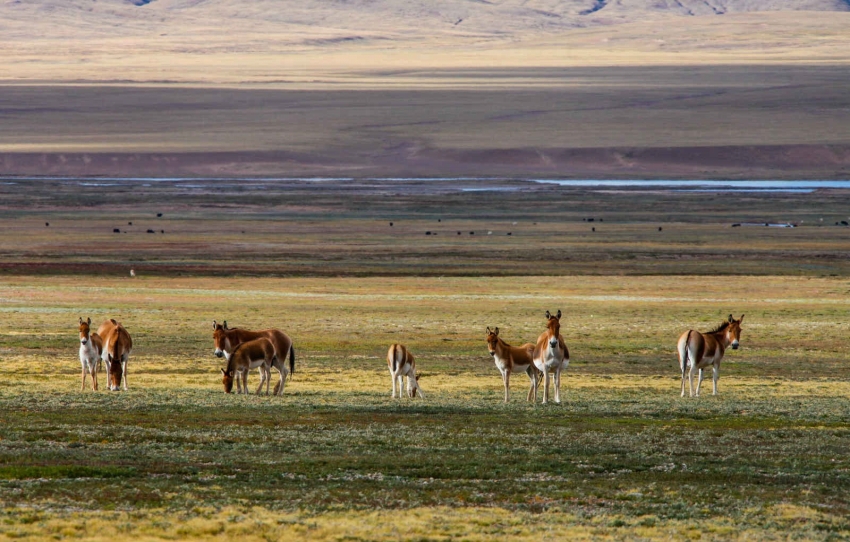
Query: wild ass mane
x,y
719,328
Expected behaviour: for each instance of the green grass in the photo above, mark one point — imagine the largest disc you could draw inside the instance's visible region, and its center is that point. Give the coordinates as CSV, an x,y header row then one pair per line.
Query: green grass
x,y
622,456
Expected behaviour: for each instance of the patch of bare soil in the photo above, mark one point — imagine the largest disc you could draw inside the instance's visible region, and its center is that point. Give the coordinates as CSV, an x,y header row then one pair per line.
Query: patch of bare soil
x,y
770,161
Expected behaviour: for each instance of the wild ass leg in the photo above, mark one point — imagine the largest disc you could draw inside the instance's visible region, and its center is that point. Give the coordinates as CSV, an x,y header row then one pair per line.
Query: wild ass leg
x,y
558,385
262,379
282,383
392,377
400,385
124,374
533,377
506,376
83,387
684,372
715,369
699,382
545,384
93,371
691,379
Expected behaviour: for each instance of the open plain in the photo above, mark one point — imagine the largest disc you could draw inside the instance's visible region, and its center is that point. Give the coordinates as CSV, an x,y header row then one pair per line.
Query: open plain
x,y
335,458
361,172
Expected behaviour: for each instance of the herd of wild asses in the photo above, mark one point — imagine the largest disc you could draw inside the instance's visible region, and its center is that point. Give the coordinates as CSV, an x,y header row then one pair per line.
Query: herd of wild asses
x,y
245,350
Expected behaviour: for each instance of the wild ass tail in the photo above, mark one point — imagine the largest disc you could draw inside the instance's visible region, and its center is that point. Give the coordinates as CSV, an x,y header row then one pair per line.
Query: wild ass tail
x,y
685,357
395,359
291,361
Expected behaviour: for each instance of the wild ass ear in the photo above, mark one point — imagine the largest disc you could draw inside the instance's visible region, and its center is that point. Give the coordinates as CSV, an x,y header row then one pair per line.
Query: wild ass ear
x,y
488,330
496,332
558,316
224,324
741,319
215,324
223,372
548,315
81,320
731,319
88,320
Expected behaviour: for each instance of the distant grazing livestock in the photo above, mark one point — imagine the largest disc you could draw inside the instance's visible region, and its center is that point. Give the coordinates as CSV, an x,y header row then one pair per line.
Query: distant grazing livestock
x,y
91,348
551,355
47,223
159,215
227,339
132,273
401,363
698,350
117,346
151,231
513,359
129,223
116,230
249,355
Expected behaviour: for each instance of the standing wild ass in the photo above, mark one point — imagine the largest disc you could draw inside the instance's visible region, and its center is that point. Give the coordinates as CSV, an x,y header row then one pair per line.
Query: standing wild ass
x,y
249,355
513,359
551,354
698,350
401,363
117,346
91,348
227,339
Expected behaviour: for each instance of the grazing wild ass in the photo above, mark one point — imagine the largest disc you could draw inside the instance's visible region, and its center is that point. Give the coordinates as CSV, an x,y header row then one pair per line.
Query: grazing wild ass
x,y
249,355
698,350
227,339
513,359
91,348
117,346
401,363
551,354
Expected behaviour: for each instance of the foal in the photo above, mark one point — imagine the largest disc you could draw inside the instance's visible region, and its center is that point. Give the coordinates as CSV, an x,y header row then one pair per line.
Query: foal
x,y
698,350
249,355
117,346
551,354
227,339
401,363
513,359
91,348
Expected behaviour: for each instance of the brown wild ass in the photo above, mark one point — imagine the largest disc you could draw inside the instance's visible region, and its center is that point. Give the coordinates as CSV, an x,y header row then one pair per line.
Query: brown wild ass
x,y
401,363
91,348
117,346
698,350
551,354
513,359
249,355
227,339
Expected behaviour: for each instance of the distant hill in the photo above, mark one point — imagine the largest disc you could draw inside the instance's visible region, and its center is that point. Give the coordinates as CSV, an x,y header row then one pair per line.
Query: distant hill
x,y
387,19
286,41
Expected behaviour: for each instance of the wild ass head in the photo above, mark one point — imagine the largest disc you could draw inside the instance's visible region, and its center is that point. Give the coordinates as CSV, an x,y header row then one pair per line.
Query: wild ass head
x,y
733,331
85,331
114,371
492,340
222,343
553,328
227,380
414,386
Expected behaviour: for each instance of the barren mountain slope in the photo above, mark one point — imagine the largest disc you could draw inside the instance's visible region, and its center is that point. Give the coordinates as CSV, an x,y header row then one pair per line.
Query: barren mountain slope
x,y
388,18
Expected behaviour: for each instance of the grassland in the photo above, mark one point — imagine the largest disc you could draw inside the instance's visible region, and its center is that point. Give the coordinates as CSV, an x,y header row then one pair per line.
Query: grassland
x,y
292,228
336,458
